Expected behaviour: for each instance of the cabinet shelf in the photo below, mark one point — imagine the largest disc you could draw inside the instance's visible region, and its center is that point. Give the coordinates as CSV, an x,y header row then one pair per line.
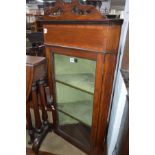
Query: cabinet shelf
x,y
82,81
74,111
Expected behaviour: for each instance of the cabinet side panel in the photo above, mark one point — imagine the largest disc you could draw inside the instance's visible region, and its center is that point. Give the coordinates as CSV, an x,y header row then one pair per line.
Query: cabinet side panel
x,y
113,37
108,76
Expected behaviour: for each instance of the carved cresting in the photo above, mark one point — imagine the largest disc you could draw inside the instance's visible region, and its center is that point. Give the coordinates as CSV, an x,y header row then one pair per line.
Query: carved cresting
x,y
72,11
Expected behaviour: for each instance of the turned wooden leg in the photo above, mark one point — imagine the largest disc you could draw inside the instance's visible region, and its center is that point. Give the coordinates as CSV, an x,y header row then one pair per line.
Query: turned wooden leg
x,y
47,126
38,124
43,102
29,123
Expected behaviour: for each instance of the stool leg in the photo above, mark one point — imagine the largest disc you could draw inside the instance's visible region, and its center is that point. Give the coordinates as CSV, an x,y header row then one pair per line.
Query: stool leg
x,y
38,124
29,123
43,101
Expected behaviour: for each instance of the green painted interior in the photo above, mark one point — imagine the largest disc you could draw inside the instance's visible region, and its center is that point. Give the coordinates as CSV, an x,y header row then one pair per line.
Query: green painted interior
x,y
82,81
64,66
74,89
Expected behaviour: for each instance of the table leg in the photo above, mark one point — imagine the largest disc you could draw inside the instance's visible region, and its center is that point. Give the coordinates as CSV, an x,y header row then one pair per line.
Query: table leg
x,y
29,123
38,124
43,102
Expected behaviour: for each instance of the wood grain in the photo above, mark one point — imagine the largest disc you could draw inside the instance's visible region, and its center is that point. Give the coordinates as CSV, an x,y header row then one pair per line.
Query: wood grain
x,y
29,79
73,10
109,69
97,96
90,36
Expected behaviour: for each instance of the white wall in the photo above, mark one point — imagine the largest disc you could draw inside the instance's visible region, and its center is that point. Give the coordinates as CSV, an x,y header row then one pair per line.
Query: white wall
x,y
118,101
116,114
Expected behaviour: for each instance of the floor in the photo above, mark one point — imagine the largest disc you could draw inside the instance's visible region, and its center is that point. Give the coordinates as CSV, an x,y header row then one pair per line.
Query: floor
x,y
30,152
56,145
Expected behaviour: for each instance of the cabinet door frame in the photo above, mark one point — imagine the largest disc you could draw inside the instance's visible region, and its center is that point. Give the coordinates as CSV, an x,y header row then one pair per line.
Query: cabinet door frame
x,y
105,67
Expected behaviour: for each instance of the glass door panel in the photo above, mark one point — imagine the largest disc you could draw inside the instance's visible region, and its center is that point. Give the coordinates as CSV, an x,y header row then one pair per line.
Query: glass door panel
x,y
74,94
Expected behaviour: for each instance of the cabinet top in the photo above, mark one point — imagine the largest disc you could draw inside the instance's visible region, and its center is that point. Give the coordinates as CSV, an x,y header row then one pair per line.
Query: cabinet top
x,y
75,13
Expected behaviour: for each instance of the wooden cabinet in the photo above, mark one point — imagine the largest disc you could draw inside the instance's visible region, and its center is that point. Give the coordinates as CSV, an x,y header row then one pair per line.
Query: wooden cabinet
x,y
81,51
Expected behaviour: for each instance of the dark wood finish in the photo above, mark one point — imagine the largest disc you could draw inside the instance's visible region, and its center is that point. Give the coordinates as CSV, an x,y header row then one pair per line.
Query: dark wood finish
x,y
96,106
101,38
39,137
73,52
38,123
73,10
50,61
125,60
85,35
70,139
29,122
35,77
43,101
125,144
109,68
32,75
75,132
29,79
37,66
75,22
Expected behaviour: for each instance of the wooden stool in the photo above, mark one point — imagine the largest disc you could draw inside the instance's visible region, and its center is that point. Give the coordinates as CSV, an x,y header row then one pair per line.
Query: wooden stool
x,y
35,80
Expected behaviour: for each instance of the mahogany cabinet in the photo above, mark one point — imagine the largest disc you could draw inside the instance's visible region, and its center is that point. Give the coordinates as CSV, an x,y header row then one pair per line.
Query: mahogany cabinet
x,y
81,51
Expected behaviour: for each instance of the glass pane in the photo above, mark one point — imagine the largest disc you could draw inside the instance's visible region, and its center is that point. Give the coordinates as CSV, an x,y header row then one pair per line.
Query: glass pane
x,y
75,103
77,130
74,92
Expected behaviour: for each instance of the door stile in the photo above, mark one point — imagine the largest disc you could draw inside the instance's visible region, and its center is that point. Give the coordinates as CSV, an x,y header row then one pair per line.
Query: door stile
x,y
51,82
96,104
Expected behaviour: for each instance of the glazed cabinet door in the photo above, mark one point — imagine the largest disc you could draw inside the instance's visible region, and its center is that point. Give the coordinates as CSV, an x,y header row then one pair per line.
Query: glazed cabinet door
x,y
74,80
